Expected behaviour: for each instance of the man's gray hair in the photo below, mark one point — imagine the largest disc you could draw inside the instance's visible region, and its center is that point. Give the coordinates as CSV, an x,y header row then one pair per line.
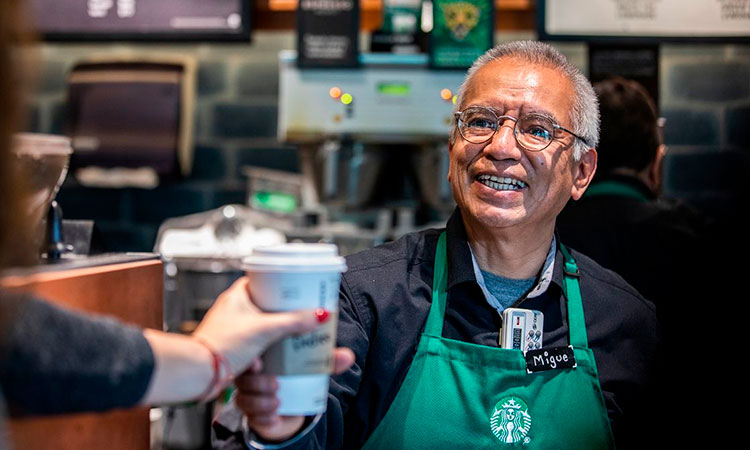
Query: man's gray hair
x,y
584,114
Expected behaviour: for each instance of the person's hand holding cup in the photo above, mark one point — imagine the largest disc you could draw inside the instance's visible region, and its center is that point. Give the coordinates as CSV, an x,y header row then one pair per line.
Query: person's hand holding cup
x,y
291,380
256,398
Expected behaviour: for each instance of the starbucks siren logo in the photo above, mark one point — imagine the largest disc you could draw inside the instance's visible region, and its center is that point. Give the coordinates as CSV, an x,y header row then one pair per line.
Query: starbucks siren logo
x,y
510,421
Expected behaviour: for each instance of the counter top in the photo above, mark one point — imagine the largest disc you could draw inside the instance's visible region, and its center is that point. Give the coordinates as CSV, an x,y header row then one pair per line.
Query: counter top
x,y
72,262
128,286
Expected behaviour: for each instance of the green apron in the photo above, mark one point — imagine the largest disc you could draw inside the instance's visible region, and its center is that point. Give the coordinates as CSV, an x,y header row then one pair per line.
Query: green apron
x,y
460,395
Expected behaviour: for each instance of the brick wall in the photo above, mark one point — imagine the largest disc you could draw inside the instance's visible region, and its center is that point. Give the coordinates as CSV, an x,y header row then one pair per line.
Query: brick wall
x,y
705,92
705,97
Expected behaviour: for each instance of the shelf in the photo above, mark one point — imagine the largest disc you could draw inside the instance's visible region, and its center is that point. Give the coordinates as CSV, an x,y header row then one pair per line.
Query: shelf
x,y
291,5
510,15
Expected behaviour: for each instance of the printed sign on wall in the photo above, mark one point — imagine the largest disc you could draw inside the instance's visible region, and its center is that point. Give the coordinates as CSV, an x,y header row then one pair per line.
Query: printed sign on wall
x,y
328,33
462,31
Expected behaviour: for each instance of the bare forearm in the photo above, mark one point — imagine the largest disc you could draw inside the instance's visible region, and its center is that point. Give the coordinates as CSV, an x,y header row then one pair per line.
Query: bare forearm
x,y
183,369
229,338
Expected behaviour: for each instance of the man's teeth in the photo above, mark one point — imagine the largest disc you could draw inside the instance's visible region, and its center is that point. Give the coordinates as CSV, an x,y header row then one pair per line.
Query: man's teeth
x,y
501,183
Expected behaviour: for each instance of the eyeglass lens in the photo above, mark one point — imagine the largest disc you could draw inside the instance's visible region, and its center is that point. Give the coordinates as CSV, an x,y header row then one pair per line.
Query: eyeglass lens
x,y
533,132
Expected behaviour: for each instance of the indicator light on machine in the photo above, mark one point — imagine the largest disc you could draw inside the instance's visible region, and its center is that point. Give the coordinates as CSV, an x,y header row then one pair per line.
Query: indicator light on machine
x,y
347,99
335,93
446,94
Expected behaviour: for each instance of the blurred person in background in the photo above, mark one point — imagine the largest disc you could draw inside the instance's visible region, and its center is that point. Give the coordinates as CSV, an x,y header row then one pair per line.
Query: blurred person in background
x,y
54,360
622,222
660,246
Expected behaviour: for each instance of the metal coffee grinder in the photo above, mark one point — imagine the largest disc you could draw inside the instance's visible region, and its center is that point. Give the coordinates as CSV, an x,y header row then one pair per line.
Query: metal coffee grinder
x,y
43,160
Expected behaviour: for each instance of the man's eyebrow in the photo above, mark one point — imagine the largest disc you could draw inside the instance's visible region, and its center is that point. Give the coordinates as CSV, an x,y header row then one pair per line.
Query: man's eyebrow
x,y
474,105
523,111
539,112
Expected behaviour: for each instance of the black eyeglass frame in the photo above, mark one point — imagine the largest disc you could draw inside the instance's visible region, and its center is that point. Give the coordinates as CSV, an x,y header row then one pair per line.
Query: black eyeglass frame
x,y
515,120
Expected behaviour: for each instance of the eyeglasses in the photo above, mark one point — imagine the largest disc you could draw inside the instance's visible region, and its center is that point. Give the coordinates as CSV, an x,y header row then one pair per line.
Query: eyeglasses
x,y
534,132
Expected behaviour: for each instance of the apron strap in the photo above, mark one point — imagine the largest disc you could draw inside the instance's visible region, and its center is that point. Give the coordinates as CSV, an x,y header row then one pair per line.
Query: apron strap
x,y
576,320
434,326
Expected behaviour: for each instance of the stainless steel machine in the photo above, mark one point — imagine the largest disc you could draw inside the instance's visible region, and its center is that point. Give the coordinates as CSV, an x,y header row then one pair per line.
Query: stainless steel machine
x,y
372,137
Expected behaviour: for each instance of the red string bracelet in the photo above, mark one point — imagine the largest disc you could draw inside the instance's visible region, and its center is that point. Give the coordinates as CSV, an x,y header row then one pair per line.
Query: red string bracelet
x,y
219,381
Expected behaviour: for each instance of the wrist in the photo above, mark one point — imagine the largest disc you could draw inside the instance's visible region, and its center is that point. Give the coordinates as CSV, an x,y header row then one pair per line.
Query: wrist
x,y
255,442
222,375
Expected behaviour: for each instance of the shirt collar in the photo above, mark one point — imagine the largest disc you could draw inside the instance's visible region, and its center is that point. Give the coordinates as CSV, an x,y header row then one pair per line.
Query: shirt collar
x,y
460,258
545,278
557,273
460,269
539,288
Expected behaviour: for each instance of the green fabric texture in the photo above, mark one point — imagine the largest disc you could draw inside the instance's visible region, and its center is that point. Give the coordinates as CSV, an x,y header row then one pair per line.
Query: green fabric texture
x,y
459,395
614,188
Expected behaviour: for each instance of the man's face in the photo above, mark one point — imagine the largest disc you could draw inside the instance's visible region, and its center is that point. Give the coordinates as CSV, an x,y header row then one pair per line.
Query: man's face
x,y
550,177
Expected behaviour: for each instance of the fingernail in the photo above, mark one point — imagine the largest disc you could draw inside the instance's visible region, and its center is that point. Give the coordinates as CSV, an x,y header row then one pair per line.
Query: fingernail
x,y
321,314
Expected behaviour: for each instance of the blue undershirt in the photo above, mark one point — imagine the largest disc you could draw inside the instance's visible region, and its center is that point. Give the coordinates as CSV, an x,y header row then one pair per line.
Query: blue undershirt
x,y
507,291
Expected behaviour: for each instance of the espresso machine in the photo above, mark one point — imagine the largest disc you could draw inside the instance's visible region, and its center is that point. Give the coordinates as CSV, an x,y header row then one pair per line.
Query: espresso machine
x,y
373,140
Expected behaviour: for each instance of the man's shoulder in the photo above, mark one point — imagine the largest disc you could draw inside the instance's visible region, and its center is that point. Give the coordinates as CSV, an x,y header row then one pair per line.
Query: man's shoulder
x,y
409,249
609,288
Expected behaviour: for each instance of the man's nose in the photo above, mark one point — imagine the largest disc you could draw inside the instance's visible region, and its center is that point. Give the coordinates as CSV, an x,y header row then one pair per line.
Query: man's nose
x,y
503,144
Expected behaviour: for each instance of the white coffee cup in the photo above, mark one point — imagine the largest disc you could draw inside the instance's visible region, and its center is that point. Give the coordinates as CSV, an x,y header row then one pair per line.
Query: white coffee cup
x,y
288,277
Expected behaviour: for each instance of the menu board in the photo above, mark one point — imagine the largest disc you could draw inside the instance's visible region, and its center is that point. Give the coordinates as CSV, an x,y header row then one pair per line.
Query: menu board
x,y
148,20
725,20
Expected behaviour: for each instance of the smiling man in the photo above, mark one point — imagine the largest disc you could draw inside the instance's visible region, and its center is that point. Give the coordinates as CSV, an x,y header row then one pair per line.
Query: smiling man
x,y
423,314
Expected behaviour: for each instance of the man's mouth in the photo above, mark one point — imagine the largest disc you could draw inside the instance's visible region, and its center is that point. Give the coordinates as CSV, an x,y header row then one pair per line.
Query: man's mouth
x,y
501,183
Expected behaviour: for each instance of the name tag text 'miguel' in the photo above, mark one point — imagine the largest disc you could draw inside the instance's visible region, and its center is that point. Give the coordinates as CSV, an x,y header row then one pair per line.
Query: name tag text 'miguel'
x,y
551,358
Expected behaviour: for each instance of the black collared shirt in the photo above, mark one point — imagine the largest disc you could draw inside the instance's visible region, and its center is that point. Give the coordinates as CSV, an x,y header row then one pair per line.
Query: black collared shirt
x,y
385,298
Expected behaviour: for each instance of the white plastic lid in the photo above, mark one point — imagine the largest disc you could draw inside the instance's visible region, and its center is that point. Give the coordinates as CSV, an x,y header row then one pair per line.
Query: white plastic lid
x,y
298,257
41,144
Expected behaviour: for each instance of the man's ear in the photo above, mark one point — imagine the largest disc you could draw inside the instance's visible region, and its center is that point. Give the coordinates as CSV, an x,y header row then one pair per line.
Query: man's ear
x,y
450,150
656,169
583,173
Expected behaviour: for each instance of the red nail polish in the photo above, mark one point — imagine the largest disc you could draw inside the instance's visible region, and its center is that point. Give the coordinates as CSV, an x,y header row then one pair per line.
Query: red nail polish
x,y
321,314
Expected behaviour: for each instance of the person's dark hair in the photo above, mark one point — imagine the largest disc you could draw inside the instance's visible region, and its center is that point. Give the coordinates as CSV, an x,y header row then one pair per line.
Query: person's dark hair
x,y
14,232
629,132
